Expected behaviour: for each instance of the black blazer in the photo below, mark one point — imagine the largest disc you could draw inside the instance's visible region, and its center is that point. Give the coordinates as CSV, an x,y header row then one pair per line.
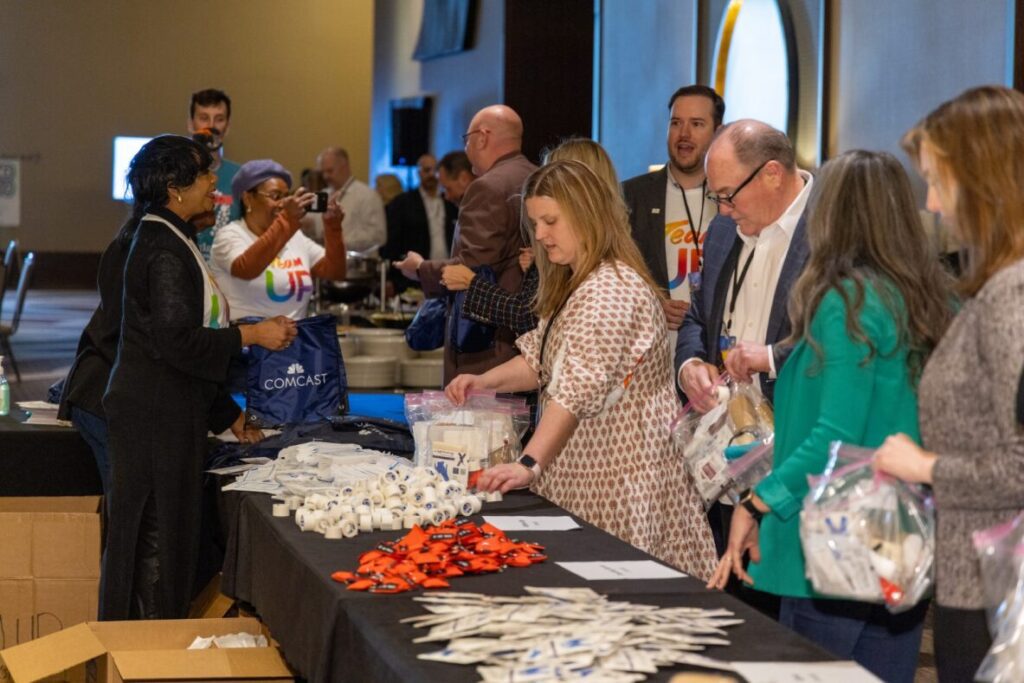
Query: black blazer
x,y
408,228
97,347
698,336
645,199
164,394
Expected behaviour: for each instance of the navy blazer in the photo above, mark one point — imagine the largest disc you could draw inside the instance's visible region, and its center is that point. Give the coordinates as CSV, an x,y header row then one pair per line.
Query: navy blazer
x,y
702,325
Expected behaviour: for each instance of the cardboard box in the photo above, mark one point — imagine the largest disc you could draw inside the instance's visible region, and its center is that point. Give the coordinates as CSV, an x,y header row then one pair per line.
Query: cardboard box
x,y
143,651
49,565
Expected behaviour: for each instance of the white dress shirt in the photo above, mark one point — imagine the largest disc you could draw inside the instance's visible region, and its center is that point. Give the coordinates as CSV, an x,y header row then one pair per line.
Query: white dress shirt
x,y
434,206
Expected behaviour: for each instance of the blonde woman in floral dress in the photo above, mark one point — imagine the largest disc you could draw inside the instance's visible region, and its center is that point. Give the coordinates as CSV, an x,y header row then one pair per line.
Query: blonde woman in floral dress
x,y
600,357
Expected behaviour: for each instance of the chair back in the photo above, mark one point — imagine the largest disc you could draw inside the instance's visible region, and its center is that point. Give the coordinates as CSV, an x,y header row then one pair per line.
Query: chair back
x,y
27,266
10,258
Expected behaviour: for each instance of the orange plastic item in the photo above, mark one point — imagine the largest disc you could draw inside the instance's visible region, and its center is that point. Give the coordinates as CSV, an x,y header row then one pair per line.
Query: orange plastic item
x,y
428,556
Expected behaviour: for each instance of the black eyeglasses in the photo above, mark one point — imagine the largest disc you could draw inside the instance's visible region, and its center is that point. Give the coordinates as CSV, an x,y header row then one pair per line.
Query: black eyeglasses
x,y
727,199
465,136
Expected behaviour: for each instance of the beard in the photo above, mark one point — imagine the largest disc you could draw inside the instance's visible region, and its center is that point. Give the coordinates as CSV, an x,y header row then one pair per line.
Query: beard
x,y
695,167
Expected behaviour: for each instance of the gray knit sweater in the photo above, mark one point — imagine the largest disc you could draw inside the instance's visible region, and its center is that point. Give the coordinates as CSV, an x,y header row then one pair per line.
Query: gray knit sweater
x,y
967,409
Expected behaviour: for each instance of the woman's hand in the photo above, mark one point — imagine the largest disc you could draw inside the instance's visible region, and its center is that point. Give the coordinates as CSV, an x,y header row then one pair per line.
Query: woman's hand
x,y
900,457
334,215
459,388
273,333
504,478
743,538
525,258
245,433
295,205
456,277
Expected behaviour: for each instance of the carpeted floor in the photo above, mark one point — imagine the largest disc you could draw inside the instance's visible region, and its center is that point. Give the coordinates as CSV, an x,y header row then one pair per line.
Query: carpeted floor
x,y
45,343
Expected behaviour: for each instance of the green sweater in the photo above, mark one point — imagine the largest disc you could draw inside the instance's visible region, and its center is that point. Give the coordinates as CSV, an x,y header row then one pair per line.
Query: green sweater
x,y
817,401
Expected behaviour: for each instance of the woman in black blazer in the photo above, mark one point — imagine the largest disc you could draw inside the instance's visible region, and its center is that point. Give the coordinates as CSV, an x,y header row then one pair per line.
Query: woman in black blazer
x,y
165,388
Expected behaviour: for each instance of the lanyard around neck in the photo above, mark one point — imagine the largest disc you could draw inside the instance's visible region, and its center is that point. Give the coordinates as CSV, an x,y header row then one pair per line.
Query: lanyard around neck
x,y
696,232
737,284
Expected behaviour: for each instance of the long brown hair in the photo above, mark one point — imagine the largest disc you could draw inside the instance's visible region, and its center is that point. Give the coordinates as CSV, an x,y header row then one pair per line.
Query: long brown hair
x,y
598,216
977,140
863,227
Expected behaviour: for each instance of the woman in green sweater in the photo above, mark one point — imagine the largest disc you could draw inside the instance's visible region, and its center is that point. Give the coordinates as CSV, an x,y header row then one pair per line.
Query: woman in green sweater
x,y
868,309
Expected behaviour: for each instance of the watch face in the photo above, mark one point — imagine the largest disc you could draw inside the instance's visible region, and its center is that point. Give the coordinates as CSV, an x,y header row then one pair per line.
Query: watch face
x,y
527,460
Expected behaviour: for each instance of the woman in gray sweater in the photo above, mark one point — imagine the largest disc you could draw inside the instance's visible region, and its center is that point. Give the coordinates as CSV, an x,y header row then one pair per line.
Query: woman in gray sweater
x,y
971,153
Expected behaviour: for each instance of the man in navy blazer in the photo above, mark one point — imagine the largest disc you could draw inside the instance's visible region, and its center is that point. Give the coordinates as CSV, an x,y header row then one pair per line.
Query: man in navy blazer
x,y
753,253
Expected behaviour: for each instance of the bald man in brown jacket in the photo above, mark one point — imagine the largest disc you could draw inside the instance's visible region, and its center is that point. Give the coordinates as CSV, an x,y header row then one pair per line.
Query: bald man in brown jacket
x,y
488,230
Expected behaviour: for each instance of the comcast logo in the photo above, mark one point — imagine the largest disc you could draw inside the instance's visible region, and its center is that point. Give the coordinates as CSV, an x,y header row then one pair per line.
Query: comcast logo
x,y
295,376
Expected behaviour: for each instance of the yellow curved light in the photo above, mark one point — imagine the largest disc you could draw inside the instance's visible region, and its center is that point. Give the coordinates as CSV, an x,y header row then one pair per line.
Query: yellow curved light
x,y
732,13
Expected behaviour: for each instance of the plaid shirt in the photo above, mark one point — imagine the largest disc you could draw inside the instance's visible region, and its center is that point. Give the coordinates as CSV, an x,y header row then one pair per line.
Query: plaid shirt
x,y
488,303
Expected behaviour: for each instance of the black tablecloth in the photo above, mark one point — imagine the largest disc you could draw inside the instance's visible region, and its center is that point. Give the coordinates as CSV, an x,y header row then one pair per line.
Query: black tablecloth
x,y
39,460
331,634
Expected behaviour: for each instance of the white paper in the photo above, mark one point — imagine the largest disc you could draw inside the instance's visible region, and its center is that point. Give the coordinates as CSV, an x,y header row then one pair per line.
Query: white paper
x,y
48,419
37,405
535,523
610,571
803,672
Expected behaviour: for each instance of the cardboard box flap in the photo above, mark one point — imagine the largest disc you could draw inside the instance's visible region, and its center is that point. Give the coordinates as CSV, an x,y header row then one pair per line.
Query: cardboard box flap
x,y
90,504
166,634
175,665
52,654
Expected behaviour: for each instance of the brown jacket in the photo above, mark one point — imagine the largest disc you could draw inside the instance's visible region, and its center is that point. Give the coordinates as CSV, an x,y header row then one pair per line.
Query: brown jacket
x,y
487,233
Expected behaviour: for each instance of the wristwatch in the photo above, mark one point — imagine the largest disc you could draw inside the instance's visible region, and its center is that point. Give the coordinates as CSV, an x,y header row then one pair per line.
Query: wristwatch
x,y
530,463
747,501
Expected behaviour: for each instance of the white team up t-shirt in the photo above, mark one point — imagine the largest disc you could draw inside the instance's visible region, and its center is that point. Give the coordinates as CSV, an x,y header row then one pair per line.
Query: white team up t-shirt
x,y
284,288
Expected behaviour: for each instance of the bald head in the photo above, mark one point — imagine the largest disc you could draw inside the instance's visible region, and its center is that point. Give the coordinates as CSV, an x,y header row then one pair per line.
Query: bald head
x,y
493,132
334,167
754,142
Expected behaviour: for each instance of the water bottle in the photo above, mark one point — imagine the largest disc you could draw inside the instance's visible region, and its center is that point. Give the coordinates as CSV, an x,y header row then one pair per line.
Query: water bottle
x,y
5,391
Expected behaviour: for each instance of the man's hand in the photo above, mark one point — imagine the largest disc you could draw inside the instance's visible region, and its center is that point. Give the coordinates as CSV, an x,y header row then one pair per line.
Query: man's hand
x,y
746,359
674,311
698,380
457,277
409,266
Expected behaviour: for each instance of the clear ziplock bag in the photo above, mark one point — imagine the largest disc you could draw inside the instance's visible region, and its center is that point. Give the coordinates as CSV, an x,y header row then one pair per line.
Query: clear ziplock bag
x,y
867,536
742,416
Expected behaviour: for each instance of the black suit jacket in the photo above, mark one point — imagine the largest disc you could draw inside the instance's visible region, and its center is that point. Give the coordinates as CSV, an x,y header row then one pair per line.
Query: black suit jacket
x,y
645,199
698,336
408,228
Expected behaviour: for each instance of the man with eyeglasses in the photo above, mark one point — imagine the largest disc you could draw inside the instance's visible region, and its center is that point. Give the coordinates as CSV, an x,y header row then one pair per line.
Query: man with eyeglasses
x,y
668,212
754,253
488,229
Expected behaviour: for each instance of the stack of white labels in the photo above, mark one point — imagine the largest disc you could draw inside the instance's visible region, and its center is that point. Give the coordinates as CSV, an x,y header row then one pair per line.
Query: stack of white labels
x,y
401,497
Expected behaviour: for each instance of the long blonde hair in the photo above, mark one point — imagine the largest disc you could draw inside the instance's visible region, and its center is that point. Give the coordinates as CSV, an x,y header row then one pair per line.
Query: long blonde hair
x,y
600,221
863,227
977,139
